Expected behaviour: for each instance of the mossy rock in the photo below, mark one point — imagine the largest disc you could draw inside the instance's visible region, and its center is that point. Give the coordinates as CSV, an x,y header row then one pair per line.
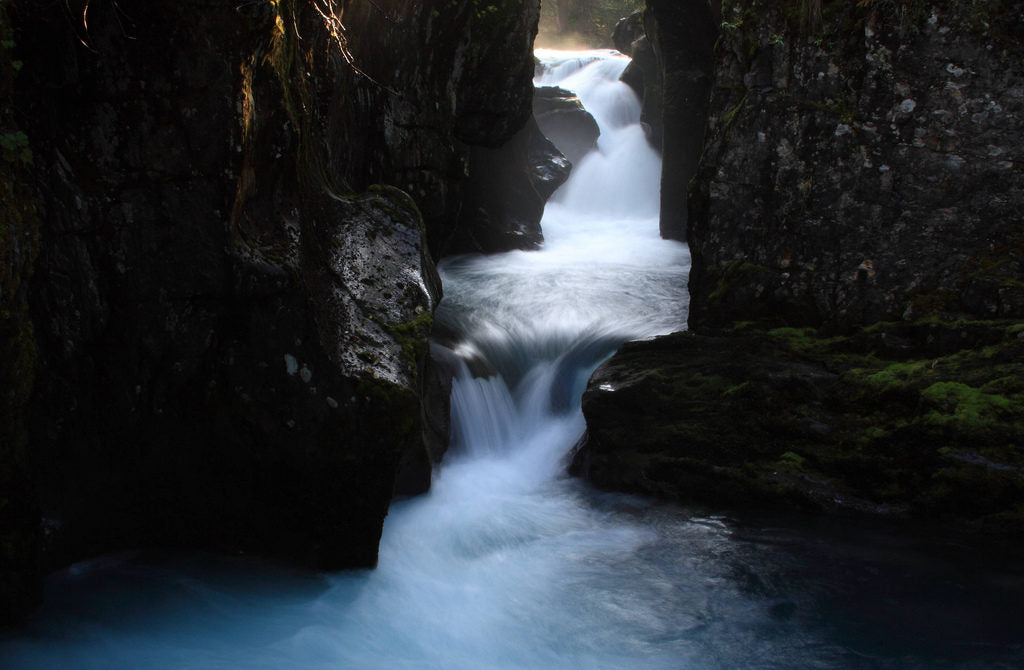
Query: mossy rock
x,y
789,417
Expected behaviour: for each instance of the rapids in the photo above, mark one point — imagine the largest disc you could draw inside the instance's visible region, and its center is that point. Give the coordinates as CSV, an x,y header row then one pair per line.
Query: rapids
x,y
509,563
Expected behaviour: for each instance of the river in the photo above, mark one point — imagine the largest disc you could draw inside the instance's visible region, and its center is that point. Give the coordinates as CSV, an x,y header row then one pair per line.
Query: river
x,y
508,563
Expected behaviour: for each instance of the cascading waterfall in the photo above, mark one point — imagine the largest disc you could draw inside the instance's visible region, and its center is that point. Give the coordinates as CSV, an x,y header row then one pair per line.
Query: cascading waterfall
x,y
508,563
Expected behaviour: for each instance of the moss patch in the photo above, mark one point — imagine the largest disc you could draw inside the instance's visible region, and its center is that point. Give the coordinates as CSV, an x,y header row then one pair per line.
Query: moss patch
x,y
412,335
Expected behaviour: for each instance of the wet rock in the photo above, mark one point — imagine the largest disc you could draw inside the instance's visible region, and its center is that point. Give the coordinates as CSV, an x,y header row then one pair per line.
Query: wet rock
x,y
856,183
563,120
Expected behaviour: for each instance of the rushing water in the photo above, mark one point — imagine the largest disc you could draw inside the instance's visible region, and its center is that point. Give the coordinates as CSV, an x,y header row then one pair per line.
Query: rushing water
x,y
508,563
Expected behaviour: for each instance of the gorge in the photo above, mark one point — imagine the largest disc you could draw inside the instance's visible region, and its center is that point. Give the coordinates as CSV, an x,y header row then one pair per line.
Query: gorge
x,y
508,563
216,320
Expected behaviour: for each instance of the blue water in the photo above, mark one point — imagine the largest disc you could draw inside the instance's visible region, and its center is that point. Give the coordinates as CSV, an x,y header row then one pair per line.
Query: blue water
x,y
510,564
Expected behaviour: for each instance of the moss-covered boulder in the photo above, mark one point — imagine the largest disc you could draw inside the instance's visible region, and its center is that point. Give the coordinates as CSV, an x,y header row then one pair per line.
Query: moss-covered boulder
x,y
920,420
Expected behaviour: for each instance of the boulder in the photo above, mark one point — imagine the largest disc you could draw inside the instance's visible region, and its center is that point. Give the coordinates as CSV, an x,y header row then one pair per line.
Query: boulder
x,y
563,120
930,429
643,74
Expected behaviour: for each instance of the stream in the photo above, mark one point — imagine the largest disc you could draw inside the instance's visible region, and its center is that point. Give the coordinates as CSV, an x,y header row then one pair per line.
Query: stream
x,y
510,563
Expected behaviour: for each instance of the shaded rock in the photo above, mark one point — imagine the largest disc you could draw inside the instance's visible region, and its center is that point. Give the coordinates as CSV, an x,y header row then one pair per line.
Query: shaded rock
x,y
682,35
461,79
627,31
563,120
508,188
788,418
20,584
644,72
867,174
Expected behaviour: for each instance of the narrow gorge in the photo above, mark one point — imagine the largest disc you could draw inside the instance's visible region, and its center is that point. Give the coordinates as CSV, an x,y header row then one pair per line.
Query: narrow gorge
x,y
366,334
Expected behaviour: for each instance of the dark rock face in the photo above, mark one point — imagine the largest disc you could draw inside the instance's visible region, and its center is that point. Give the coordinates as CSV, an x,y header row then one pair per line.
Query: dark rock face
x,y
900,421
227,321
442,83
872,175
507,189
682,34
644,73
565,122
628,30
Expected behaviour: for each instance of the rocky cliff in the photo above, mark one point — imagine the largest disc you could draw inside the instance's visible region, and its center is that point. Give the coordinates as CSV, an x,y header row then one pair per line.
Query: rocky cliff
x,y
216,265
856,306
868,171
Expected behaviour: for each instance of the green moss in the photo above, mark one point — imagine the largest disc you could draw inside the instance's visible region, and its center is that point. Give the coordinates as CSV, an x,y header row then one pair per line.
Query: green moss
x,y
893,376
397,204
730,117
965,406
735,273
791,462
395,409
412,336
737,389
804,339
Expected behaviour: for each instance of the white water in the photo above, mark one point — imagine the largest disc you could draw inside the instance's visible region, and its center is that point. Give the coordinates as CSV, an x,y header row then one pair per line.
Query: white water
x,y
507,563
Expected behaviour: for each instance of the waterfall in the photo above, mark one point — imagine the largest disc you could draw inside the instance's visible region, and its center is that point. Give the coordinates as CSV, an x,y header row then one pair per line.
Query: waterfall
x,y
541,321
507,563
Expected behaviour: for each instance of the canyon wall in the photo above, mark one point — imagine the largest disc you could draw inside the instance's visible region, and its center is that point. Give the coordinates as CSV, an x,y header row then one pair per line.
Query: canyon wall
x,y
866,171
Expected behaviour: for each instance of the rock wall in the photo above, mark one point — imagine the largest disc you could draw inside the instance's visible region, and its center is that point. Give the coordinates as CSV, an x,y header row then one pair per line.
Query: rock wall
x,y
867,171
448,87
682,35
228,315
